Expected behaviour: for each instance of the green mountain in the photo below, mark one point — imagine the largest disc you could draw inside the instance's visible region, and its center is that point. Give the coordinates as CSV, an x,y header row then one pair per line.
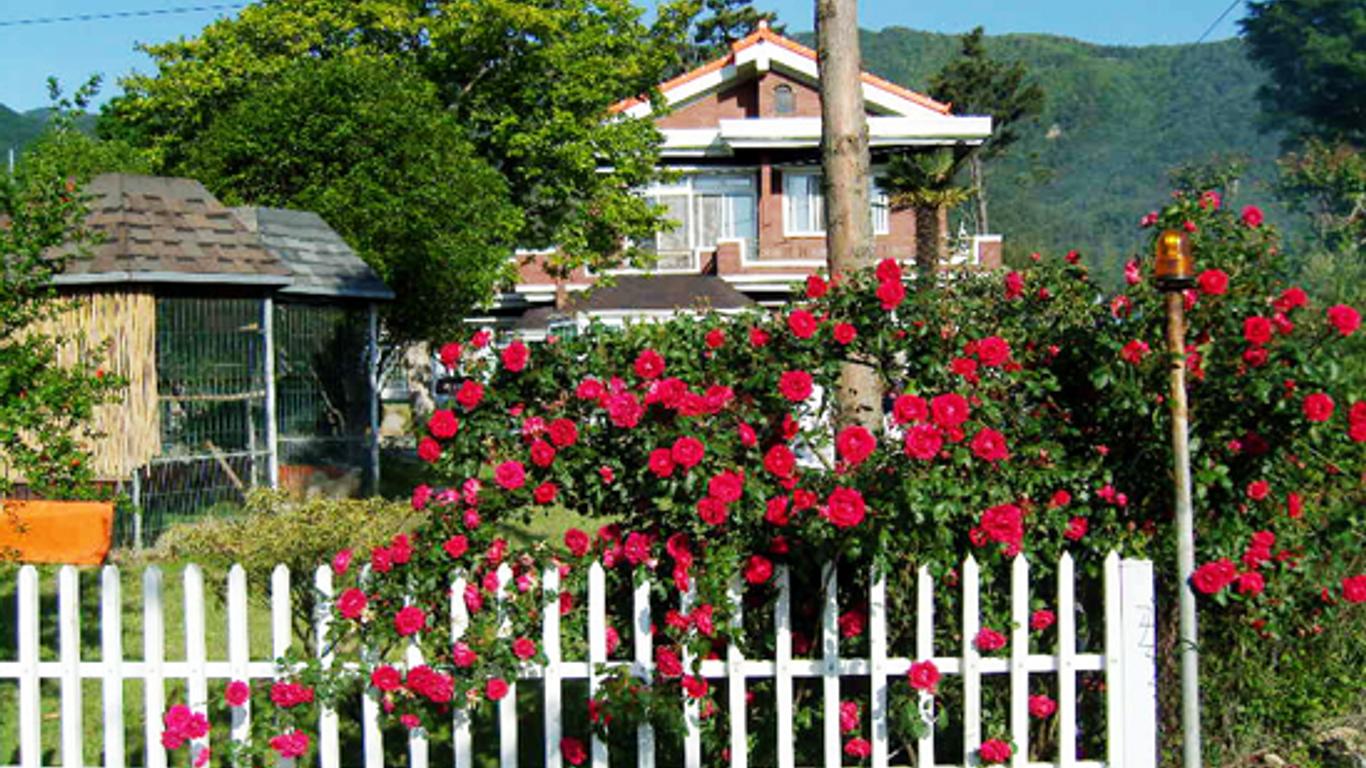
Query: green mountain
x,y
19,128
1117,119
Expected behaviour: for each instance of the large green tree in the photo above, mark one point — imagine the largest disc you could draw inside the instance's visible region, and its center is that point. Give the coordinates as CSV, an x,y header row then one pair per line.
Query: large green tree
x,y
1315,52
722,22
366,143
530,82
977,84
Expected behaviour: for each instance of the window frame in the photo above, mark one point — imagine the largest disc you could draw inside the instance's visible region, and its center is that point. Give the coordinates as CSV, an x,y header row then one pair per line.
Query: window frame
x,y
879,204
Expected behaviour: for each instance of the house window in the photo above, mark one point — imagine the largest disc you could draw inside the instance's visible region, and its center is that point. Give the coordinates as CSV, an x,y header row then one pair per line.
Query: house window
x,y
784,102
708,209
804,205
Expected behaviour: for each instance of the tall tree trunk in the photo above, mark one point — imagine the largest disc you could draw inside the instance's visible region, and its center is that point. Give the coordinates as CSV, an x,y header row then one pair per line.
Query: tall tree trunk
x,y
979,188
931,238
845,163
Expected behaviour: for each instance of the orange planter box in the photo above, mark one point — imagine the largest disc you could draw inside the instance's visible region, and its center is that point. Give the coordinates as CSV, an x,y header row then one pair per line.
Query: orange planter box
x,y
66,532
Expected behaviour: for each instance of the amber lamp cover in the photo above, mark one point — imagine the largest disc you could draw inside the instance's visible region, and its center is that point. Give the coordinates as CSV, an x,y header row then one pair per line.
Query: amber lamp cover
x,y
1174,266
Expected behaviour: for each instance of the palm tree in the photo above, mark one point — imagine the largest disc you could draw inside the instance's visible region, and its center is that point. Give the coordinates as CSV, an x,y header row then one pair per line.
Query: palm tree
x,y
924,182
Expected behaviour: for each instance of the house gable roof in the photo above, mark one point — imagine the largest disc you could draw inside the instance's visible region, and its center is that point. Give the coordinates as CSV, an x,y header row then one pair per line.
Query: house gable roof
x,y
157,229
764,48
322,263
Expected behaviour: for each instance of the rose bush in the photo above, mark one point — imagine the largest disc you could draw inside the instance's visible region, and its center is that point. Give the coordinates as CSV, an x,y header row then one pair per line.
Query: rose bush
x,y
1026,415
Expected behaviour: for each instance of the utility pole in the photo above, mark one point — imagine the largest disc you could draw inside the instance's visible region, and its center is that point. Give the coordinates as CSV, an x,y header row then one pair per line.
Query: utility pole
x,y
845,179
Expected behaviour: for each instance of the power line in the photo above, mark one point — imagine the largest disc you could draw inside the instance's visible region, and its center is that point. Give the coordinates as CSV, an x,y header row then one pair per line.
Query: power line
x,y
1226,12
120,14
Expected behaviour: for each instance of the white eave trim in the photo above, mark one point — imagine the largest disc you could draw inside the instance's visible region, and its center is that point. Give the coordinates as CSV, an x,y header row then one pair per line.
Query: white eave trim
x,y
805,132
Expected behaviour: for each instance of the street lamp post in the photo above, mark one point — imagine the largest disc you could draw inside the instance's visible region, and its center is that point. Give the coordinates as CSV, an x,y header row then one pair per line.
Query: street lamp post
x,y
1175,271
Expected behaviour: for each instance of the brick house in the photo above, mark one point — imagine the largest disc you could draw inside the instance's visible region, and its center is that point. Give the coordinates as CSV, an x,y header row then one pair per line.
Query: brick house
x,y
743,133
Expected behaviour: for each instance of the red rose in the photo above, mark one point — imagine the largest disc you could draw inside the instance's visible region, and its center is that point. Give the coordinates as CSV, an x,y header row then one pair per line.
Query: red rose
x,y
510,475
409,620
712,511
795,385
1354,589
775,511
496,688
1134,352
470,394
1252,216
457,545
758,569
428,450
845,333
965,367
1014,286
386,678
1258,490
855,444
758,337
352,603
523,648
286,695
1004,524
563,433
816,286
572,751
887,270
480,339
923,442
727,487
1041,620
950,410
994,751
462,656
858,749
780,461
1041,706
542,453
290,745
1257,330
449,354
577,542
649,365
688,451
989,640
849,717
695,687
1214,576
668,663
802,323
1251,583
545,492
1345,319
1318,407
852,623
923,676
1213,282
990,445
993,351
515,356
589,389
1256,356
1293,297
844,508
891,293
907,409
237,693
661,462
1076,529
748,437
442,424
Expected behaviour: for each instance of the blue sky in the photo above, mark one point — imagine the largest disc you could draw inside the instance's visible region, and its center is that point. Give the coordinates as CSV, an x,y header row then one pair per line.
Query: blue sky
x,y
76,49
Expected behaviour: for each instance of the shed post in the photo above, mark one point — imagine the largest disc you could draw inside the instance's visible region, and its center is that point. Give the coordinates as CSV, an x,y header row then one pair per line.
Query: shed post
x,y
372,363
272,430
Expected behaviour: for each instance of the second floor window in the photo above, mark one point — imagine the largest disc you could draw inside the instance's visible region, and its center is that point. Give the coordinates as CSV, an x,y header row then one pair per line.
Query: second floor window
x,y
804,205
708,209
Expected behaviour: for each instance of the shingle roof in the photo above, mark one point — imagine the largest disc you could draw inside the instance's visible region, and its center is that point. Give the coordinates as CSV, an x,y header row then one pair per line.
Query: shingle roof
x,y
168,230
645,293
320,260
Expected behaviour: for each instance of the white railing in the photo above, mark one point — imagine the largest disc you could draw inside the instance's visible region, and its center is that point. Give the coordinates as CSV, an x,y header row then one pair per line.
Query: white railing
x,y
1127,663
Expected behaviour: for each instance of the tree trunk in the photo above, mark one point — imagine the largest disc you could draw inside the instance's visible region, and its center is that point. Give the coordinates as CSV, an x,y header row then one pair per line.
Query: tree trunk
x,y
931,238
979,188
845,166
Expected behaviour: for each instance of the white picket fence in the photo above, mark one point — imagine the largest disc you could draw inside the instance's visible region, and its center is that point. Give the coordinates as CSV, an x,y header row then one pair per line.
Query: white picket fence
x,y
1127,662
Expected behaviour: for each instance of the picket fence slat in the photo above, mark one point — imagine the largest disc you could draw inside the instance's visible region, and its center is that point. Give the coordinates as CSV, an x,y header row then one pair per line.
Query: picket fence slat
x,y
111,653
645,654
153,654
924,650
69,643
1067,677
1127,661
830,673
1019,661
782,682
877,663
